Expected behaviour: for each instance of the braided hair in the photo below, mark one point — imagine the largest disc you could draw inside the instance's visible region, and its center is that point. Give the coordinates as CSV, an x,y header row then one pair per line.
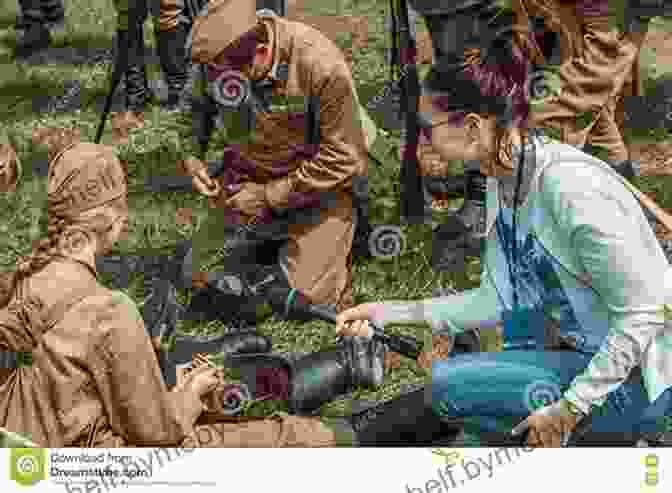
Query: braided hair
x,y
60,231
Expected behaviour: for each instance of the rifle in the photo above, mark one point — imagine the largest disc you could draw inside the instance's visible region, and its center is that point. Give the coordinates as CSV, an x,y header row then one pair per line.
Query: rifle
x,y
203,110
412,205
121,65
180,183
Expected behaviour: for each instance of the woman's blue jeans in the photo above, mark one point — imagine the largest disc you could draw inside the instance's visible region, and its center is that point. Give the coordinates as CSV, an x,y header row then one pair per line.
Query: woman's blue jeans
x,y
507,386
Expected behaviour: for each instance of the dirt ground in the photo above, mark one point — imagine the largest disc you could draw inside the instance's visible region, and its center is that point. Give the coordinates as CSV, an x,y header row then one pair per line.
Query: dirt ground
x,y
334,25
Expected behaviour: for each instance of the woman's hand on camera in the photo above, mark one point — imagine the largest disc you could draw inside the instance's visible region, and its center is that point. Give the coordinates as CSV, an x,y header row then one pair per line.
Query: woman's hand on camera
x,y
355,321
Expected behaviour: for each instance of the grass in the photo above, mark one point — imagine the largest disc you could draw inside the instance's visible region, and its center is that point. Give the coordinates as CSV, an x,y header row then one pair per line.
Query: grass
x,y
153,151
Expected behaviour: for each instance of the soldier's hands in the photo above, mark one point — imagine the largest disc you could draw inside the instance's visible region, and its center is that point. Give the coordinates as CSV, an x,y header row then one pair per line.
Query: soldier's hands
x,y
250,199
200,179
203,380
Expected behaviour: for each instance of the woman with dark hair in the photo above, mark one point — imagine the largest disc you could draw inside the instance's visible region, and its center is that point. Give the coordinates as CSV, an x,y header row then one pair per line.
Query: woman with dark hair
x,y
596,70
572,270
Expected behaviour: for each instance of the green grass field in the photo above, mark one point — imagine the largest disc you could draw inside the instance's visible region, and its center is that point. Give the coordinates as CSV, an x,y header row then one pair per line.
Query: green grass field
x,y
154,149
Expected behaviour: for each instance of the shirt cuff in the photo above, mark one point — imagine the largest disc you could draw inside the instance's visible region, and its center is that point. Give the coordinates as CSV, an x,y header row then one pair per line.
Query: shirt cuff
x,y
573,398
277,193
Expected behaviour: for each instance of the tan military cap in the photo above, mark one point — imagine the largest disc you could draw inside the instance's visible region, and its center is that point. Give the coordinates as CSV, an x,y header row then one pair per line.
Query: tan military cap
x,y
223,22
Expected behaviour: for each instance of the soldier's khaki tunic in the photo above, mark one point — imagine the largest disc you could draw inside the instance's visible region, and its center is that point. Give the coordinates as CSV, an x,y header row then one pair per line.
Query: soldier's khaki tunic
x,y
318,255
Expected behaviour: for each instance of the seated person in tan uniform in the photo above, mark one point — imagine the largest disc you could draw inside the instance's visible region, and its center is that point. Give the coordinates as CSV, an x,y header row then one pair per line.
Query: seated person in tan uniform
x,y
272,171
94,379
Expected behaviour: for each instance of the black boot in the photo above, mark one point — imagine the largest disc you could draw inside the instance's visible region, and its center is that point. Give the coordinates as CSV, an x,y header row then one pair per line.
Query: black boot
x,y
463,232
309,381
235,297
180,350
452,186
405,421
54,13
35,38
320,377
49,13
137,86
173,57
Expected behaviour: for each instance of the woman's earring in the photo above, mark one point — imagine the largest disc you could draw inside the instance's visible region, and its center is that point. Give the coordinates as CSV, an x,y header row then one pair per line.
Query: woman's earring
x,y
504,154
504,157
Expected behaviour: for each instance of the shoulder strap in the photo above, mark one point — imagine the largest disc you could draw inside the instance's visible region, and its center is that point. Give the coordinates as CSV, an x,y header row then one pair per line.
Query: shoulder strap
x,y
312,129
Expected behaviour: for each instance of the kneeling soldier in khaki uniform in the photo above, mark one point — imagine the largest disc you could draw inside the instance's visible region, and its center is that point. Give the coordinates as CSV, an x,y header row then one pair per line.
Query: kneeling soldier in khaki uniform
x,y
271,169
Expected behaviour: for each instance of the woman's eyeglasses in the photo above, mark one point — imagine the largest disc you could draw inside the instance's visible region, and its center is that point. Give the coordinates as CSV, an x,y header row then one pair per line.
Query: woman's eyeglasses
x,y
425,124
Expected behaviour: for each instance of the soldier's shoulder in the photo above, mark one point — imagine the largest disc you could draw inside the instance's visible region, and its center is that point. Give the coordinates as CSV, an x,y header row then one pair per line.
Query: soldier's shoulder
x,y
106,305
314,46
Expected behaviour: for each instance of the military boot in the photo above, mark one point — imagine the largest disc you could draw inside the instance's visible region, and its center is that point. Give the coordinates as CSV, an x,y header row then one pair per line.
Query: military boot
x,y
306,382
406,420
35,35
175,67
137,86
52,11
463,232
35,38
